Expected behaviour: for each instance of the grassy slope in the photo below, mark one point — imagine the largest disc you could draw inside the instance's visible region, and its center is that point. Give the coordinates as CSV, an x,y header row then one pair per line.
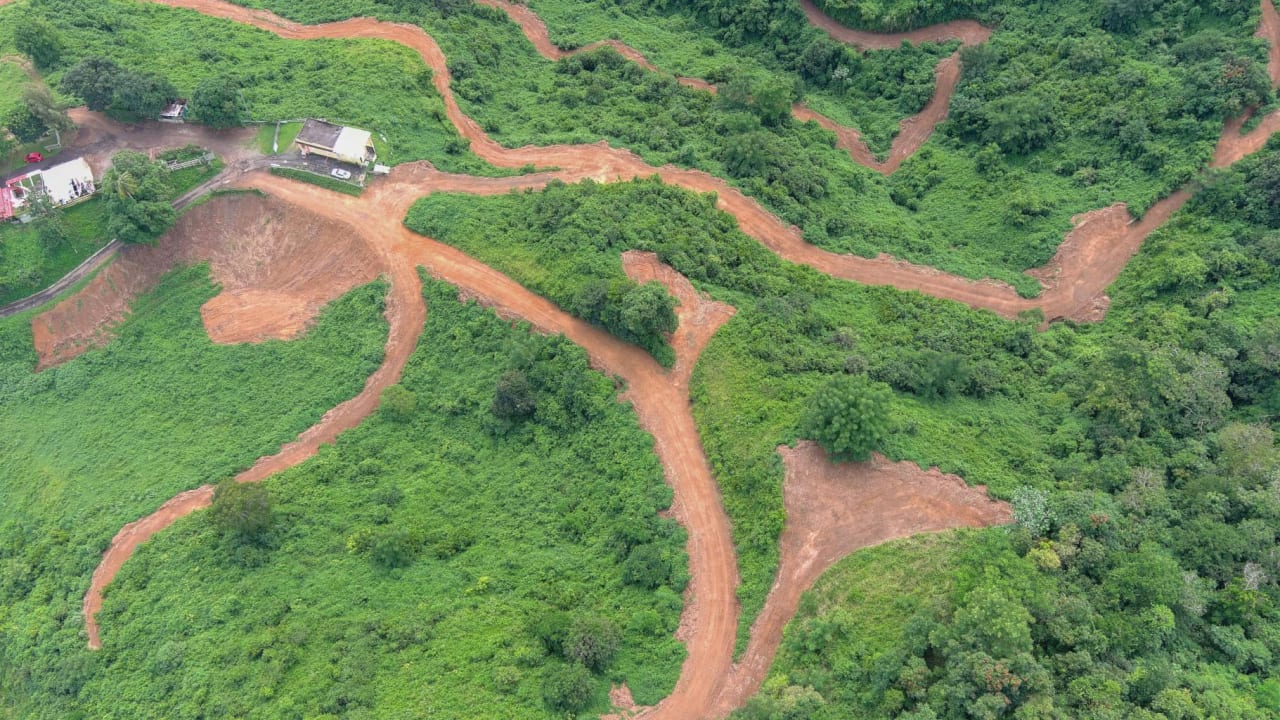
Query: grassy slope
x,y
308,626
30,266
106,438
281,78
750,388
12,82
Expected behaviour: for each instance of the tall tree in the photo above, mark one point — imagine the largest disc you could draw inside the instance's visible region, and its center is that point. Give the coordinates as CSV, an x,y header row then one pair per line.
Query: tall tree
x,y
38,40
140,95
849,417
93,80
136,195
216,103
41,104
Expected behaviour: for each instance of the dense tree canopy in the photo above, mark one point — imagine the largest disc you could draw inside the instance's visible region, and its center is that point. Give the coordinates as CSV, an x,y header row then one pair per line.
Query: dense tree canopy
x,y
849,417
136,194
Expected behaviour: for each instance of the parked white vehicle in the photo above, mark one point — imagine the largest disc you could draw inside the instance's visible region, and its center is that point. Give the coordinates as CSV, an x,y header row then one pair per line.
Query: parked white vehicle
x,y
340,173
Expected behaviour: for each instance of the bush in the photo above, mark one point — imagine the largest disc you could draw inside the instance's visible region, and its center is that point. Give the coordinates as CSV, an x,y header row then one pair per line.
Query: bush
x,y
592,640
849,417
398,403
567,688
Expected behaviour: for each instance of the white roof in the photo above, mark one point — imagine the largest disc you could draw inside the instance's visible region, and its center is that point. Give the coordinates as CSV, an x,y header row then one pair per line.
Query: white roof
x,y
351,143
57,180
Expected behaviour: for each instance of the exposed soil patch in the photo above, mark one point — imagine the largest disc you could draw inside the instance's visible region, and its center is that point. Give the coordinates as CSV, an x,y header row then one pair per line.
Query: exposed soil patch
x,y
278,266
700,316
620,699
834,509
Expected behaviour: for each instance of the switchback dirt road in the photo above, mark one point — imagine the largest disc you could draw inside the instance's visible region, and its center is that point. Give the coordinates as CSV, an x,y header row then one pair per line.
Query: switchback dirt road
x,y
913,131
1092,256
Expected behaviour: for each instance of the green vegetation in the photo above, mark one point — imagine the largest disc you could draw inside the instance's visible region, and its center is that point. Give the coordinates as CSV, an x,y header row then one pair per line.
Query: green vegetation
x,y
323,181
241,509
1132,449
12,82
849,417
1088,116
28,264
280,78
136,196
1141,577
106,438
438,561
795,329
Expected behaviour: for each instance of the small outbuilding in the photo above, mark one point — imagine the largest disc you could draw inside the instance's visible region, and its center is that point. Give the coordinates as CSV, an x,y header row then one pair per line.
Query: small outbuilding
x,y
175,112
345,144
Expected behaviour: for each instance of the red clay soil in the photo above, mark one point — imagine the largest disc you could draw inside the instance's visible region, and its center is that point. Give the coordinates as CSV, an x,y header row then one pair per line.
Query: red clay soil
x,y
263,254
700,316
834,509
663,409
1269,30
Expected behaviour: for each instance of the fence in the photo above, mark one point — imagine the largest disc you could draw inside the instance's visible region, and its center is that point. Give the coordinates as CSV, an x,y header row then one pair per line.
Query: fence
x,y
184,164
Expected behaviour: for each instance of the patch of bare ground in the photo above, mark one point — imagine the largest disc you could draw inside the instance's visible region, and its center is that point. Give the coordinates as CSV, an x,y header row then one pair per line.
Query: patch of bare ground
x,y
834,509
277,265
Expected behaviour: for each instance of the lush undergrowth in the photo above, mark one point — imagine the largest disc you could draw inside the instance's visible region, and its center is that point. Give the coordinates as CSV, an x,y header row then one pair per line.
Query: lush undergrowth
x,y
794,329
873,92
30,261
27,264
1065,110
501,527
1142,580
375,84
106,438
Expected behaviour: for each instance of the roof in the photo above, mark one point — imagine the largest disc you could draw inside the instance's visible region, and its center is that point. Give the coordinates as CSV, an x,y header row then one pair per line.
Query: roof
x,y
174,109
352,143
60,180
319,133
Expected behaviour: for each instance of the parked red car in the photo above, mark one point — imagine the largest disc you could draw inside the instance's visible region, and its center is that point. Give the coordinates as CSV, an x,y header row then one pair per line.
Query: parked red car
x,y
34,157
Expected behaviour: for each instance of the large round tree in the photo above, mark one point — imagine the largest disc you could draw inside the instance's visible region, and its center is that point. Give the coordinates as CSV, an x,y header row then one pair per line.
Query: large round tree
x,y
849,417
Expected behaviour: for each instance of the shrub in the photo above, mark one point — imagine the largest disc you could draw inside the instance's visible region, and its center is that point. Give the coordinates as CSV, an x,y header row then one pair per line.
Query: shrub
x,y
849,417
593,641
398,403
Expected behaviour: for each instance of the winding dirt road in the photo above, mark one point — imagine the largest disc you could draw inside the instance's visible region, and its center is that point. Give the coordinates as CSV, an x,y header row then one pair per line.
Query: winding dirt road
x,y
913,131
1091,257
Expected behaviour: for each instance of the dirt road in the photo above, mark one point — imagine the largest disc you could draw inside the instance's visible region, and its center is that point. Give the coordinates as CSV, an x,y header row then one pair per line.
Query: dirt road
x,y
1091,257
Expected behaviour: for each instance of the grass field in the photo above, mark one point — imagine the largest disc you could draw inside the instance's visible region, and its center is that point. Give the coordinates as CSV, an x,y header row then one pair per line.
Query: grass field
x,y
506,525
